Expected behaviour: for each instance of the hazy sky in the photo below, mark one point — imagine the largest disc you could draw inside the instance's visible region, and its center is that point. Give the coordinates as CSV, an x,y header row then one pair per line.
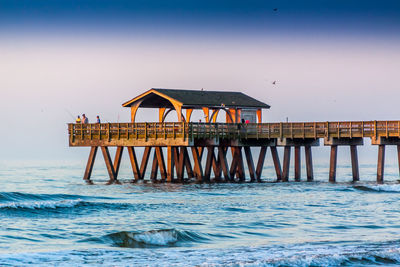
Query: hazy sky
x,y
332,60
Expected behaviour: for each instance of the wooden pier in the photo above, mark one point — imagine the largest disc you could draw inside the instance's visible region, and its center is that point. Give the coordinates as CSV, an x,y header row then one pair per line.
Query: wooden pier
x,y
225,146
216,139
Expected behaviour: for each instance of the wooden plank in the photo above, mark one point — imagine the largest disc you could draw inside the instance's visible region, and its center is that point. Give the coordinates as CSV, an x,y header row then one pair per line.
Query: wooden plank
x,y
333,164
109,164
381,164
224,162
277,163
260,162
134,163
207,170
250,163
286,164
117,159
145,160
354,163
161,163
197,164
90,163
297,163
309,164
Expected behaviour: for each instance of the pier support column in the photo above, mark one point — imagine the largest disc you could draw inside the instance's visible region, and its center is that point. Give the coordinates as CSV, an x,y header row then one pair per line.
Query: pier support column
x,y
161,163
197,164
224,163
250,163
333,164
398,157
170,163
286,164
309,164
109,164
334,143
354,163
277,163
145,160
209,162
134,163
117,160
260,162
381,164
90,163
297,164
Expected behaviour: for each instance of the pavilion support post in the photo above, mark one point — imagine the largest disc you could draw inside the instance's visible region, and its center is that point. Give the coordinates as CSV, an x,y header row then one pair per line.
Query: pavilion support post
x,y
134,163
154,168
210,156
333,164
260,163
145,160
309,164
297,163
277,163
170,163
109,164
224,163
250,163
117,159
354,163
161,163
381,164
197,164
90,163
286,164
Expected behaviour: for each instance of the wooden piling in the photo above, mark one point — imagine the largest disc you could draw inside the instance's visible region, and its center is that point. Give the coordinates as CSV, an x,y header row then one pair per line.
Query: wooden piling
x,y
224,163
332,164
117,159
286,164
250,163
297,164
134,163
260,162
161,163
145,160
109,164
381,164
170,163
354,163
277,163
309,164
197,164
90,163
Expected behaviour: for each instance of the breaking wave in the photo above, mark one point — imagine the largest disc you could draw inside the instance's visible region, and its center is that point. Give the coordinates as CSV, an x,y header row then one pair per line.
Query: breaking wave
x,y
388,188
153,238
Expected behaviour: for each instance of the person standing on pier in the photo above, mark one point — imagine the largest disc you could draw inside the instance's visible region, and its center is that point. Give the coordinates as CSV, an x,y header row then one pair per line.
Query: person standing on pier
x,y
98,119
78,119
85,120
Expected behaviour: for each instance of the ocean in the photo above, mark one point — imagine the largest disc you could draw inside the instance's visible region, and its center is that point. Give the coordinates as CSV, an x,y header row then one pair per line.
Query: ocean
x,y
50,217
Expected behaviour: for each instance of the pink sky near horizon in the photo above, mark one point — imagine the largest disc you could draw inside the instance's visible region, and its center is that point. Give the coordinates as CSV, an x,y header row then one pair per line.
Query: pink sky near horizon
x,y
44,79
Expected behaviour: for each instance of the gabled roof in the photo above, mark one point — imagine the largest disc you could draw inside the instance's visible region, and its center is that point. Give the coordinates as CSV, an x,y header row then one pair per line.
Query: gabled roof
x,y
157,97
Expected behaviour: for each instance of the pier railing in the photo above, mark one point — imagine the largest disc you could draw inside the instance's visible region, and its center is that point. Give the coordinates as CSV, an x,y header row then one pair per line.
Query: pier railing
x,y
171,130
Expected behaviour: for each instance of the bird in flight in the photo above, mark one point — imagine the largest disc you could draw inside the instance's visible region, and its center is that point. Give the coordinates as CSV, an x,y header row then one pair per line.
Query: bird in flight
x,y
274,82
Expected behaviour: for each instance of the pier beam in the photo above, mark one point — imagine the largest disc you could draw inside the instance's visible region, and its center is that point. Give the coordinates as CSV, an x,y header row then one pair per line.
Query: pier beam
x,y
250,163
145,160
134,163
277,163
260,162
170,163
109,164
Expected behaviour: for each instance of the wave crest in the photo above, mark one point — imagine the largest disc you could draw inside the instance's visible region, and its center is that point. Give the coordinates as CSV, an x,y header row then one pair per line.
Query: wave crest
x,y
153,238
387,188
41,204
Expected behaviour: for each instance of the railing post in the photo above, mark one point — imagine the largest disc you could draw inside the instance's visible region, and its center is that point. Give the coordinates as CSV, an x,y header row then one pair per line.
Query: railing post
x,y
108,132
281,130
375,130
145,131
387,131
351,130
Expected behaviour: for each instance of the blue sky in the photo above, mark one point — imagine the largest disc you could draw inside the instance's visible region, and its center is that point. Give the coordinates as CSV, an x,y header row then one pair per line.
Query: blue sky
x,y
332,60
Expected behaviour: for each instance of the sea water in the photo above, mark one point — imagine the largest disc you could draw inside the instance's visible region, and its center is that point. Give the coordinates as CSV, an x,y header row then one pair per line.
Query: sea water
x,y
50,217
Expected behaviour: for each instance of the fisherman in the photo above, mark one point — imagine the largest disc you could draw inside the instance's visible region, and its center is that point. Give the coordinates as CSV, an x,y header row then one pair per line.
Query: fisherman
x,y
85,120
98,119
78,120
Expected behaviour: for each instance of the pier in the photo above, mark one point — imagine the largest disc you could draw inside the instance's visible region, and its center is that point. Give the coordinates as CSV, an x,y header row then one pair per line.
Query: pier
x,y
176,149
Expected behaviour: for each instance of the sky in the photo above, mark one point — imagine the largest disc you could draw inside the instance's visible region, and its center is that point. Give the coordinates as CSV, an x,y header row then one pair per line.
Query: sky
x,y
331,60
